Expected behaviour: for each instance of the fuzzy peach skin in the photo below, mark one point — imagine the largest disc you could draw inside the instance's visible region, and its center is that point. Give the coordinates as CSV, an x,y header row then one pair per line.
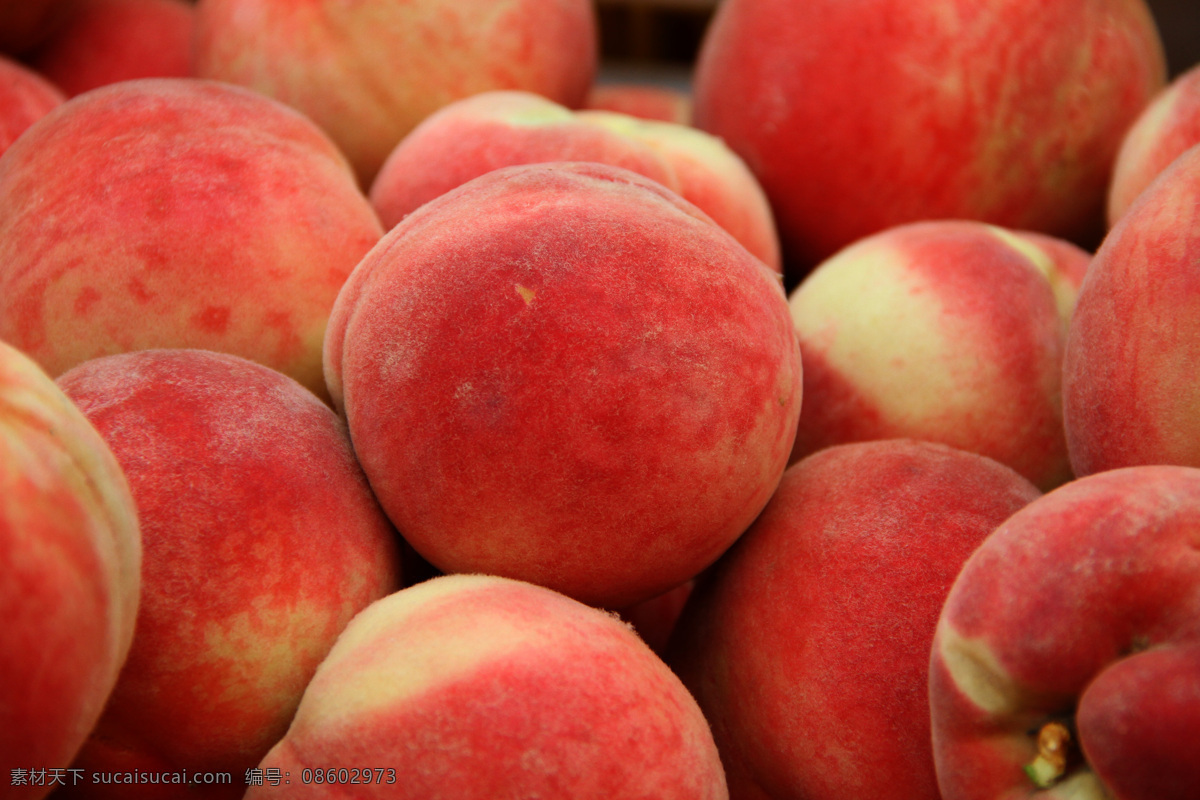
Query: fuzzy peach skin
x,y
262,539
857,117
24,24
946,331
469,687
1130,386
1082,609
25,97
662,103
566,374
499,129
106,41
369,72
71,554
176,213
1165,129
807,645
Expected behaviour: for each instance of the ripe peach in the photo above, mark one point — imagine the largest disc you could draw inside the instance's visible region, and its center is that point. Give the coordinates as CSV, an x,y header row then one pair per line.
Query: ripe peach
x,y
1070,646
210,216
25,97
499,129
857,117
478,134
807,645
566,374
1130,390
469,687
262,540
106,41
71,554
369,72
945,331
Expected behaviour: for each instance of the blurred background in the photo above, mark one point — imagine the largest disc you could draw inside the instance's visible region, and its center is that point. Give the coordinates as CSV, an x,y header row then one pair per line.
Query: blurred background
x,y
655,41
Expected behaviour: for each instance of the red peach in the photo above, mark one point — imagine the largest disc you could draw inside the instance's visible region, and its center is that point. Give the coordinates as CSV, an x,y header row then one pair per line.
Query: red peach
x,y
106,41
807,645
369,72
262,539
498,129
566,374
478,134
471,687
25,97
1066,662
71,554
176,213
857,117
944,331
1130,390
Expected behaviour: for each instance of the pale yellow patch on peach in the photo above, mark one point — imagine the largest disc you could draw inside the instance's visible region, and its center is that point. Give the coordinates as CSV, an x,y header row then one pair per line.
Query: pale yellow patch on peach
x,y
519,109
1065,294
978,674
886,331
372,667
274,643
624,124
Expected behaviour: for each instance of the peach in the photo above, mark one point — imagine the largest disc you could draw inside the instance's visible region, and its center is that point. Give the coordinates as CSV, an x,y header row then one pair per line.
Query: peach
x,y
25,97
469,687
1066,662
369,72
499,129
947,331
212,216
71,553
478,134
857,117
262,539
662,103
1130,391
106,41
807,645
1163,131
566,374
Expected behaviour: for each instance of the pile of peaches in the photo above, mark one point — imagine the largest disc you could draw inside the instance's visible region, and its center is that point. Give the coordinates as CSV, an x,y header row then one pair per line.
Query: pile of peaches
x,y
389,411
